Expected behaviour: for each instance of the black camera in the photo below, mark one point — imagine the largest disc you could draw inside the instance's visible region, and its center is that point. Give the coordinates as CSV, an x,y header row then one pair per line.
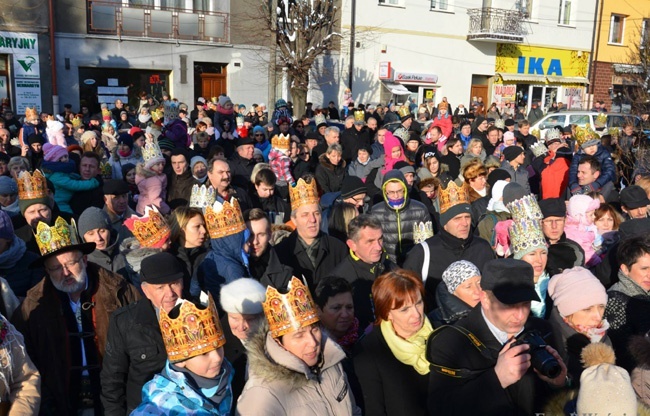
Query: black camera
x,y
540,359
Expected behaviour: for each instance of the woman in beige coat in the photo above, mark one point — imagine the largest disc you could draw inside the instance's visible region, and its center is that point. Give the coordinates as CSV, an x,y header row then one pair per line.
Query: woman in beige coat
x,y
294,367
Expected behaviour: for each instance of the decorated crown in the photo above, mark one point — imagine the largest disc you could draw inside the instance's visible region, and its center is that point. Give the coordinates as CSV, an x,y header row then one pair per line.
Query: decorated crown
x,y
584,134
106,169
553,134
31,113
240,121
156,115
31,186
151,230
289,312
402,133
614,131
539,148
536,133
359,115
526,234
50,239
202,196
106,114
190,330
525,207
303,193
319,119
151,150
224,219
500,124
404,111
421,231
601,120
281,141
76,122
452,196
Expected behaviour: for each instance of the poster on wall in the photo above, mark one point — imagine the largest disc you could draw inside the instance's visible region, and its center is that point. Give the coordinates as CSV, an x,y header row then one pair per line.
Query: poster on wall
x,y
28,94
573,97
501,94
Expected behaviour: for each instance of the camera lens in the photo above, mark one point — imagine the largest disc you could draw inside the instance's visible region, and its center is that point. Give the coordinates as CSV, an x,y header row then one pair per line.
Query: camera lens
x,y
545,363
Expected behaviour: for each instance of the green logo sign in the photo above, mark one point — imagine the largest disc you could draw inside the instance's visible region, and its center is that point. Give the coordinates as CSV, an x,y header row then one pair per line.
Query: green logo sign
x,y
27,63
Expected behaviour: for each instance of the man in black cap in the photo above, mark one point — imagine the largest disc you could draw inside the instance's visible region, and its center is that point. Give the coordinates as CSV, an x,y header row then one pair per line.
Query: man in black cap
x,y
65,319
509,125
563,253
116,205
513,164
135,351
242,163
480,131
634,202
353,191
474,365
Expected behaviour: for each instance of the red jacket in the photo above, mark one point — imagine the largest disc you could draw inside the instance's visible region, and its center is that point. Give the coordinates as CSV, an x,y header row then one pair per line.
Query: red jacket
x,y
555,177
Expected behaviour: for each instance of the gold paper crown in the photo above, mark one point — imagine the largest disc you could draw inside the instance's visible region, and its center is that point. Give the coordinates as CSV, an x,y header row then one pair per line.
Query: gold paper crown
x,y
50,239
281,141
525,207
224,219
601,120
151,150
360,115
202,196
31,186
319,119
151,230
156,115
539,149
536,133
404,111
106,169
526,234
452,196
584,134
106,113
76,122
422,231
289,312
303,193
191,332
31,113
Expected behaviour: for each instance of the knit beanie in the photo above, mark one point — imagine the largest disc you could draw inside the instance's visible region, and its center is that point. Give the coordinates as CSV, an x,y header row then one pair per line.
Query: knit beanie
x,y
8,186
576,289
126,140
605,388
258,129
88,135
223,100
91,219
457,273
352,186
512,192
497,175
198,159
166,144
244,296
579,205
589,143
511,152
35,138
53,152
508,136
6,227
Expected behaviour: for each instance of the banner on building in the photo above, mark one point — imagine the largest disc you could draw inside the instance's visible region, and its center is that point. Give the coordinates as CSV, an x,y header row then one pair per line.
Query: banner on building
x,y
23,48
573,97
503,93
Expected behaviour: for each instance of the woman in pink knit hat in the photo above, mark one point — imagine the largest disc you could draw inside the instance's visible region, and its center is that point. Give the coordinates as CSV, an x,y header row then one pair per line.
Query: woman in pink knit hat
x,y
577,318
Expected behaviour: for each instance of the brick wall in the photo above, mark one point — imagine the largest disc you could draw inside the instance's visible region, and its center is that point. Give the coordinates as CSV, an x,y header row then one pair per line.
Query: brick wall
x,y
601,82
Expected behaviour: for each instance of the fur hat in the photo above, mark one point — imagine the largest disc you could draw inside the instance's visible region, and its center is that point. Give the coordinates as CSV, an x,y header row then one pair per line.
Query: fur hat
x,y
244,296
604,387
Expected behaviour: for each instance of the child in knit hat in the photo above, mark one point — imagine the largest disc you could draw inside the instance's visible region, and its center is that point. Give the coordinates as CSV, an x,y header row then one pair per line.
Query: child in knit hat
x,y
62,172
224,117
150,179
580,227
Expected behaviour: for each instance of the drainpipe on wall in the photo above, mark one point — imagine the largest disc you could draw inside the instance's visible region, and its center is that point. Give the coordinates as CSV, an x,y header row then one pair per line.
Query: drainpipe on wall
x,y
352,42
595,41
55,93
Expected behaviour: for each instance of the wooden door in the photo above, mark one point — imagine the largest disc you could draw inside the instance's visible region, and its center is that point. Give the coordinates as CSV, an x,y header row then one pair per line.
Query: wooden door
x,y
213,85
480,91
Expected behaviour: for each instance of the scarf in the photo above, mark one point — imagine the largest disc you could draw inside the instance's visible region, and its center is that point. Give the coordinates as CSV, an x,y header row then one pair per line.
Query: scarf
x,y
410,351
396,203
348,340
541,287
595,334
144,118
14,253
125,154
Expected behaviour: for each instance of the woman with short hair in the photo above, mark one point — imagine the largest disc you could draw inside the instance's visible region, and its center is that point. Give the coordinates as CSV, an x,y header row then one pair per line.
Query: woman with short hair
x,y
331,169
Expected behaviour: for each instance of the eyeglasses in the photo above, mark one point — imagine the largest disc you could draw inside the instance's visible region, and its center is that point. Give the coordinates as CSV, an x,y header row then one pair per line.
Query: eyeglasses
x,y
68,266
553,222
258,135
303,154
395,193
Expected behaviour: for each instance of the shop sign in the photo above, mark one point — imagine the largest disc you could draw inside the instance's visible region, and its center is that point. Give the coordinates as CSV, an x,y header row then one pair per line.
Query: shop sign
x,y
28,94
384,70
573,97
530,60
11,43
501,93
415,77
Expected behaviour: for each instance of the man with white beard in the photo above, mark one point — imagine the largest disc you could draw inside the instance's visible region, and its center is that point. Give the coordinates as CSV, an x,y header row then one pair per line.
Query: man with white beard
x,y
64,319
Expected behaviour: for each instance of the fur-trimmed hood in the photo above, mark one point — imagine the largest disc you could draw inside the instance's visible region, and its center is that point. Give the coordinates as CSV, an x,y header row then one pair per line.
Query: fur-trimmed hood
x,y
325,162
142,173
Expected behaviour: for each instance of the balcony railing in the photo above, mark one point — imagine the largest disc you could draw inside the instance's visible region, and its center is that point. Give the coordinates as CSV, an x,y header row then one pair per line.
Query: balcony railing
x,y
109,18
496,25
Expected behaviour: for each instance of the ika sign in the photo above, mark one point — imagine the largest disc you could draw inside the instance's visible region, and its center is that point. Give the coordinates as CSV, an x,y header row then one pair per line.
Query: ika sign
x,y
416,77
529,60
536,66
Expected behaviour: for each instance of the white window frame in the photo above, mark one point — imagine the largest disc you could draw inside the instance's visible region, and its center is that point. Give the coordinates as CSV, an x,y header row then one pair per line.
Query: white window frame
x,y
562,18
392,3
611,29
435,5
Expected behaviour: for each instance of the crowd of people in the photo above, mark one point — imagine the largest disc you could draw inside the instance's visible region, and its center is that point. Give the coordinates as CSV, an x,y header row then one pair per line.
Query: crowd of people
x,y
397,260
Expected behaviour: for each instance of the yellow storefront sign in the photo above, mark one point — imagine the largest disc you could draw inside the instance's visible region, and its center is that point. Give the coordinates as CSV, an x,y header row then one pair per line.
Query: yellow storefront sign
x,y
530,60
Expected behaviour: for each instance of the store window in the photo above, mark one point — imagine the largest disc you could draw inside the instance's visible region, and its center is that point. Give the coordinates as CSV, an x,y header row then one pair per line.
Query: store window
x,y
440,5
616,29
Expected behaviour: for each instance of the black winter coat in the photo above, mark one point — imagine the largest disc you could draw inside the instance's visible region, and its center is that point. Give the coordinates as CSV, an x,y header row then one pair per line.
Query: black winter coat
x,y
135,352
241,170
445,249
397,224
450,308
352,140
330,253
179,188
191,259
480,393
329,177
389,387
361,276
301,168
269,271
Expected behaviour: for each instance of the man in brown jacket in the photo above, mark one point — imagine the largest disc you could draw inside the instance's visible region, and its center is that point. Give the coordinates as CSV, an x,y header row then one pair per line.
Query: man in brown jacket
x,y
64,319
